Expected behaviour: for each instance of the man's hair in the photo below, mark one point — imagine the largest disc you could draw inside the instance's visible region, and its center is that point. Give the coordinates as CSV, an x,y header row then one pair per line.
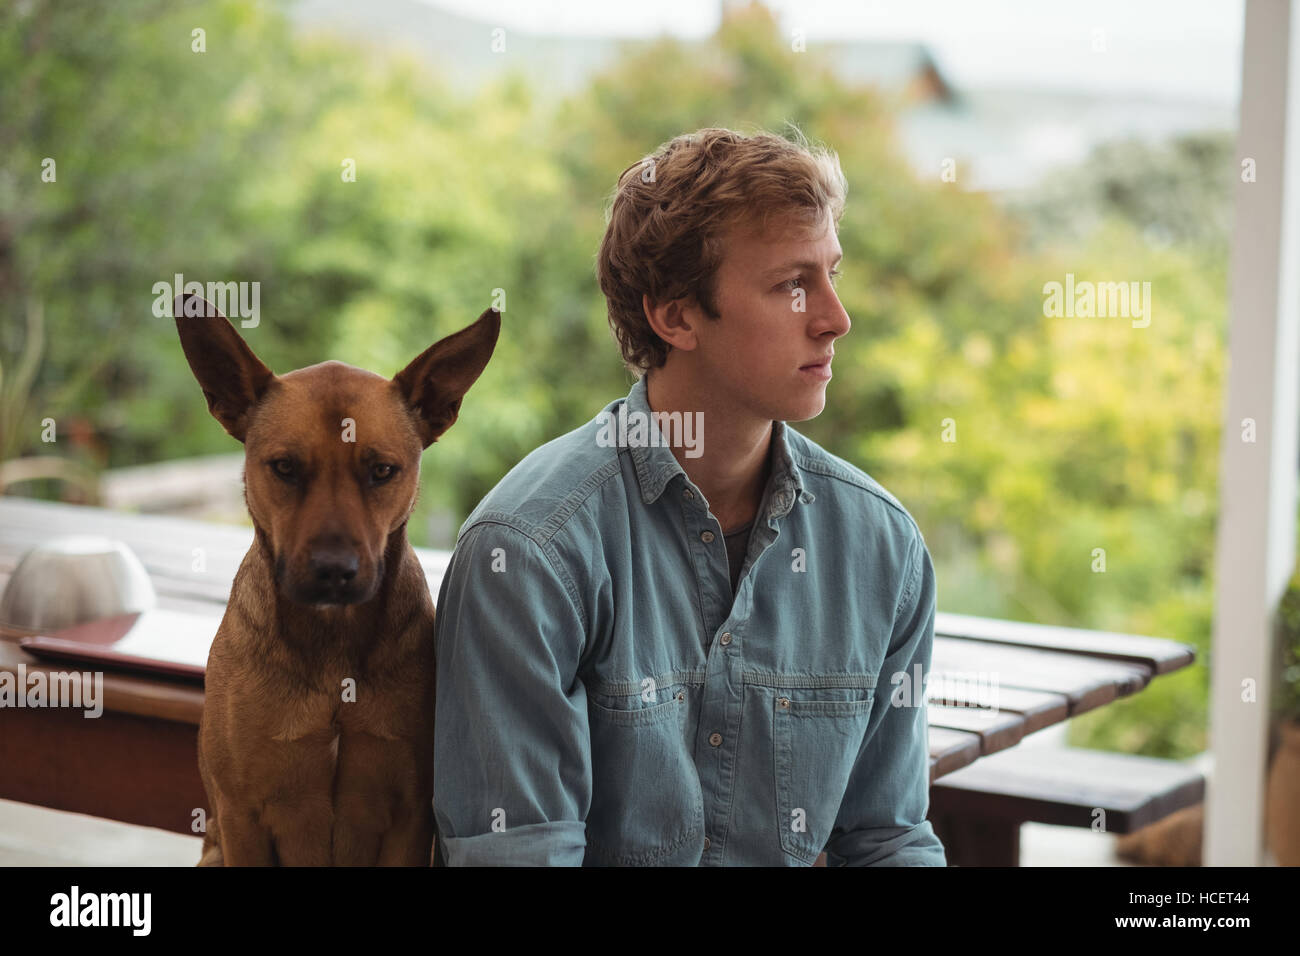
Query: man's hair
x,y
672,210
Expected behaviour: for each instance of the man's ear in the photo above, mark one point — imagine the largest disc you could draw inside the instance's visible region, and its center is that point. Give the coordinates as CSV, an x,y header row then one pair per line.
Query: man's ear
x,y
231,376
673,320
435,382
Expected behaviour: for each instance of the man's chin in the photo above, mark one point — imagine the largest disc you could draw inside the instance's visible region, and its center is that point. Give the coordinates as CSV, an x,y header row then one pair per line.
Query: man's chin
x,y
804,410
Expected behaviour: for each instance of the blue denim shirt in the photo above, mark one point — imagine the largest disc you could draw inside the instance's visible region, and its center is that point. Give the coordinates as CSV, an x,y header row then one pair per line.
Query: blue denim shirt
x,y
603,700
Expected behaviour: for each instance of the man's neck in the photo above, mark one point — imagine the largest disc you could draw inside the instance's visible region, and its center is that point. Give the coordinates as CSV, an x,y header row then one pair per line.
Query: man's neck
x,y
733,466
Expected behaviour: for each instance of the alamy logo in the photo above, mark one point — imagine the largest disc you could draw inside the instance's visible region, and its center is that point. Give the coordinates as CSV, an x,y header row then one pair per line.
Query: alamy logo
x,y
1101,300
102,909
978,689
241,300
80,689
639,430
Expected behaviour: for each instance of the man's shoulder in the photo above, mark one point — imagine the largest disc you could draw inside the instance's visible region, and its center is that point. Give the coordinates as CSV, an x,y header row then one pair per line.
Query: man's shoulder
x,y
540,493
828,474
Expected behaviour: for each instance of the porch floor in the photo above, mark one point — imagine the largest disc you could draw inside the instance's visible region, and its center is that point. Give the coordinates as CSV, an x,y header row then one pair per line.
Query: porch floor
x,y
36,836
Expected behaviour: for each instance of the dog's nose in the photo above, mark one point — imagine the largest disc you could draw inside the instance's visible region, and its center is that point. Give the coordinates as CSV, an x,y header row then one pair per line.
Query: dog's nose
x,y
334,565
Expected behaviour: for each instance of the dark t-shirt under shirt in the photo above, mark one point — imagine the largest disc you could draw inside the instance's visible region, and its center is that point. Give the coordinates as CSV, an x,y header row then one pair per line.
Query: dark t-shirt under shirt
x,y
737,539
737,546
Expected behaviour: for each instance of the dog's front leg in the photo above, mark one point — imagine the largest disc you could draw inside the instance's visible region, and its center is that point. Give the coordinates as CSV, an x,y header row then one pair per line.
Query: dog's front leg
x,y
358,834
244,840
372,794
410,840
302,831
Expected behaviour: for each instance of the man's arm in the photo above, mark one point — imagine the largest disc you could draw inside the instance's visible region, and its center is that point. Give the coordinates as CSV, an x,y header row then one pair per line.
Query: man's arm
x,y
882,819
512,750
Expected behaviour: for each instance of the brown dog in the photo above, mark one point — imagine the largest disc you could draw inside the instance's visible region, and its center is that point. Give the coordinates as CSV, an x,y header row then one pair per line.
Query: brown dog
x,y
316,743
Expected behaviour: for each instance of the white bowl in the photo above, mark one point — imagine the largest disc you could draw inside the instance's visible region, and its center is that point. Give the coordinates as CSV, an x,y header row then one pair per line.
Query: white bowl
x,y
74,579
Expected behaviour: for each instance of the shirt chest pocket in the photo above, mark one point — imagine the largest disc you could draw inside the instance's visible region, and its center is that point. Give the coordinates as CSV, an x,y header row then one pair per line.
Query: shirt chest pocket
x,y
816,737
647,806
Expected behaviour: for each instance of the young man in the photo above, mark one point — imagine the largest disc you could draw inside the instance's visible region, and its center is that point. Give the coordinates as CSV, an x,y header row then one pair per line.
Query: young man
x,y
670,637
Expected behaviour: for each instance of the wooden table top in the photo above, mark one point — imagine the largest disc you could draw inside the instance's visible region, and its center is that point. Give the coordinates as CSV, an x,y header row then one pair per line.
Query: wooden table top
x,y
991,681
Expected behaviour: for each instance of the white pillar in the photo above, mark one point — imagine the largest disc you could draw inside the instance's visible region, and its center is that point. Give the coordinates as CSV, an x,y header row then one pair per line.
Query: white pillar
x,y
1255,552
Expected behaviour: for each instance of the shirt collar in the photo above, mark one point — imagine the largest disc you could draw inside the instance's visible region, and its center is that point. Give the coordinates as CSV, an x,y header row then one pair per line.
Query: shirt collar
x,y
656,466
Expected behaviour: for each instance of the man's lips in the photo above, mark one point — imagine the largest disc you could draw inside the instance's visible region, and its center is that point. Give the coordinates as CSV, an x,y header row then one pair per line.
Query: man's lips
x,y
818,371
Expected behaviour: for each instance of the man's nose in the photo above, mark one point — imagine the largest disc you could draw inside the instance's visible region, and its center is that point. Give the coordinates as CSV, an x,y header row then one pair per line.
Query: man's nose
x,y
833,318
333,561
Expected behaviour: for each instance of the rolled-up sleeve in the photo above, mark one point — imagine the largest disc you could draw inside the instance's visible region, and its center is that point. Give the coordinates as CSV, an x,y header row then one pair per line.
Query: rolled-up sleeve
x,y
882,820
512,750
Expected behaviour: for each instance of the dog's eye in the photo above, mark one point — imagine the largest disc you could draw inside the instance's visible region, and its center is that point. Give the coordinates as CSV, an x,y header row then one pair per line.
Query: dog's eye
x,y
381,473
283,468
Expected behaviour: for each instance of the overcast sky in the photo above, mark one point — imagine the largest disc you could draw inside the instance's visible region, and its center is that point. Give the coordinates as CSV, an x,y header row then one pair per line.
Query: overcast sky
x,y
1189,48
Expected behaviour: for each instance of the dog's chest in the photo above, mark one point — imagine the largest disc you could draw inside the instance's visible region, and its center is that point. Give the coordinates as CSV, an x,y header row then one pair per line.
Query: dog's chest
x,y
384,710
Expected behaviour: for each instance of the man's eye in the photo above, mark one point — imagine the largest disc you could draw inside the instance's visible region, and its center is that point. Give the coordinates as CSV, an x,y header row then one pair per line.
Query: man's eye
x,y
792,284
381,473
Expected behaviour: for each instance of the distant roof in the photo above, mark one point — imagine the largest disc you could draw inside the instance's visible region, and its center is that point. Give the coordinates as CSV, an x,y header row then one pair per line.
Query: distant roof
x,y
899,67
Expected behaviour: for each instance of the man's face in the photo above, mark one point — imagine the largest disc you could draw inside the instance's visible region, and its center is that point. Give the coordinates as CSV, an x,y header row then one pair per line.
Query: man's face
x,y
768,355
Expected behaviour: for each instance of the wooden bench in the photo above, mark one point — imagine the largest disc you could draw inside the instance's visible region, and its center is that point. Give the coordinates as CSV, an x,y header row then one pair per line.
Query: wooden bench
x,y
977,811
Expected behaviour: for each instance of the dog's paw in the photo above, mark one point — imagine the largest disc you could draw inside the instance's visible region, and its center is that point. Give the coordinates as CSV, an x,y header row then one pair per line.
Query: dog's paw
x,y
211,856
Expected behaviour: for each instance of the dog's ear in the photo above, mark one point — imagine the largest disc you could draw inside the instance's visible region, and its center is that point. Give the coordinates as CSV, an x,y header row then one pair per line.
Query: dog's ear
x,y
435,382
231,376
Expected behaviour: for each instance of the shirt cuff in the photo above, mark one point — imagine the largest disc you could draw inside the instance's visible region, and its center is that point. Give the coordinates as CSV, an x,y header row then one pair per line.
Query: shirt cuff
x,y
909,846
557,843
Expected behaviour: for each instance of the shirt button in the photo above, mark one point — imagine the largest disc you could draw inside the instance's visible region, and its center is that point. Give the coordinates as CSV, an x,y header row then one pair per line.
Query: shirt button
x,y
726,637
707,843
715,739
706,536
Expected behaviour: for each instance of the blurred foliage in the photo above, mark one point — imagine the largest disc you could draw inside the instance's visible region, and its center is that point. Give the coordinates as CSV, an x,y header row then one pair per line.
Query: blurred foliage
x,y
1286,696
1071,434
1175,192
